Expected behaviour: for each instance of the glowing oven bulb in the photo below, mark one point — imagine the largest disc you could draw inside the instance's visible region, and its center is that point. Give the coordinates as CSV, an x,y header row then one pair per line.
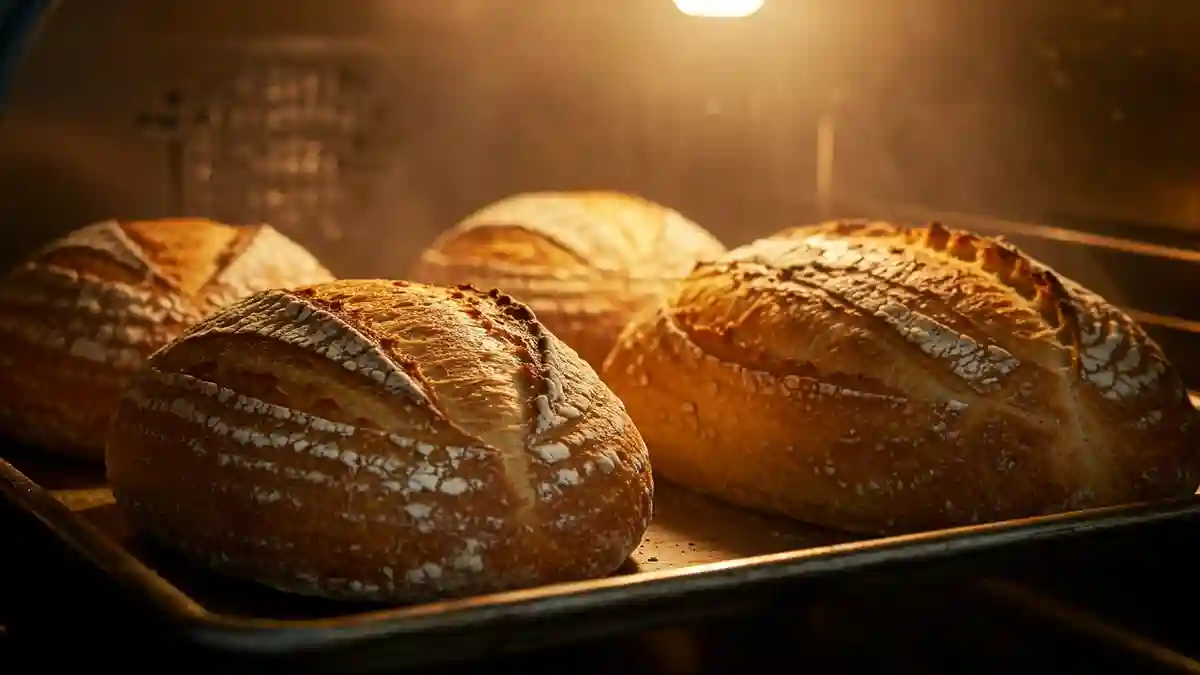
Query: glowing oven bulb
x,y
726,9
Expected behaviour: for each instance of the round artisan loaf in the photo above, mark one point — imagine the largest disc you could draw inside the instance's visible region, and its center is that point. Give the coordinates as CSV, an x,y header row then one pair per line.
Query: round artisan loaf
x,y
81,315
875,378
584,261
377,440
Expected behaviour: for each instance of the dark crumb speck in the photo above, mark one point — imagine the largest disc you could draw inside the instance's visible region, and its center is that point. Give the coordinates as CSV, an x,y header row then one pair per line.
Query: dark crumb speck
x,y
652,559
520,312
401,284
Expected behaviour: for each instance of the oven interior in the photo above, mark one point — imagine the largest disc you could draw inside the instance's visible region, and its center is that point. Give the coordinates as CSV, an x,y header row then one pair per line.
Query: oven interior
x,y
365,129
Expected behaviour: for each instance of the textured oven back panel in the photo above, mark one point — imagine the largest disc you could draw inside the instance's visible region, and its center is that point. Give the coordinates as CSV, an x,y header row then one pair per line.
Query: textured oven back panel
x,y
363,129
130,109
306,142
282,140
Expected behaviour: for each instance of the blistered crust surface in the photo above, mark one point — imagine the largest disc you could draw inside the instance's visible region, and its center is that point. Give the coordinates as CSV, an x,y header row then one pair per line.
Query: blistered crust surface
x,y
83,313
919,376
382,441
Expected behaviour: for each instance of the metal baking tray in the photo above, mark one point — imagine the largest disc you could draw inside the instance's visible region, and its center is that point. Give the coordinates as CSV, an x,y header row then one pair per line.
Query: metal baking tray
x,y
700,558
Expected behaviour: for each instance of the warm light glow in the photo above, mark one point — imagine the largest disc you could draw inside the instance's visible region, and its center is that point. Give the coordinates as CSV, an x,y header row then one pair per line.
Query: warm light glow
x,y
726,9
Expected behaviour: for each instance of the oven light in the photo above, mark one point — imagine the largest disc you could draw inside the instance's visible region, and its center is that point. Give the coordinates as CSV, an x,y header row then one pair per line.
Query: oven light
x,y
725,9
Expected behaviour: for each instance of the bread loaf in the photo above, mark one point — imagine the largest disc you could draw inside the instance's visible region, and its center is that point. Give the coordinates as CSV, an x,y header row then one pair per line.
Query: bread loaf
x,y
78,318
375,440
874,378
583,261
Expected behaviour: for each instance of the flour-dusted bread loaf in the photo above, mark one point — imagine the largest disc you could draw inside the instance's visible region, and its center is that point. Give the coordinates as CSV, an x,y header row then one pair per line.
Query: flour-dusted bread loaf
x,y
377,440
583,261
81,315
875,378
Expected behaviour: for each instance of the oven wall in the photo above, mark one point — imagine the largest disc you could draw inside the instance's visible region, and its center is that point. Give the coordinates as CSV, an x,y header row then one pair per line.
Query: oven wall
x,y
365,128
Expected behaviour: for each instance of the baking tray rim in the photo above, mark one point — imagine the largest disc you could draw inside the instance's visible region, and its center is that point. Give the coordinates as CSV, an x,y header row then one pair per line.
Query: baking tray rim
x,y
280,636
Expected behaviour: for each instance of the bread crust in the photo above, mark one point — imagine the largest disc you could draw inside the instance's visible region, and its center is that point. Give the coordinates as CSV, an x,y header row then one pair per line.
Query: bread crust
x,y
381,441
81,315
875,378
583,261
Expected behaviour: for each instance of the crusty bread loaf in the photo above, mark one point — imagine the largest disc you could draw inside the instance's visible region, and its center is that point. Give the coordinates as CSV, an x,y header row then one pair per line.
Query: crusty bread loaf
x,y
583,261
78,318
378,440
875,378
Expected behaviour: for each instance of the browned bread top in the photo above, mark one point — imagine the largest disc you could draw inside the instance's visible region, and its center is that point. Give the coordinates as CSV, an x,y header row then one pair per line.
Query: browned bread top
x,y
82,314
578,234
114,292
381,440
975,309
910,377
584,261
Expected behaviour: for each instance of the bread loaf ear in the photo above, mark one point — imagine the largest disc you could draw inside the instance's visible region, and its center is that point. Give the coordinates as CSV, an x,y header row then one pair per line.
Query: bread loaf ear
x,y
877,378
80,316
584,261
376,440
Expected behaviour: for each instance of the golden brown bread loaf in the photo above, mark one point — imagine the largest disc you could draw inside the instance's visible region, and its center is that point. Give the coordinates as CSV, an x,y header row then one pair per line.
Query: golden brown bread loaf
x,y
583,261
78,318
873,378
378,440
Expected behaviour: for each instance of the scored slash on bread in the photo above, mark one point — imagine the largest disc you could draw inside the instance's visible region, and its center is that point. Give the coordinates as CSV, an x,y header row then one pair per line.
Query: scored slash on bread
x,y
82,314
1088,328
872,377
377,440
584,261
